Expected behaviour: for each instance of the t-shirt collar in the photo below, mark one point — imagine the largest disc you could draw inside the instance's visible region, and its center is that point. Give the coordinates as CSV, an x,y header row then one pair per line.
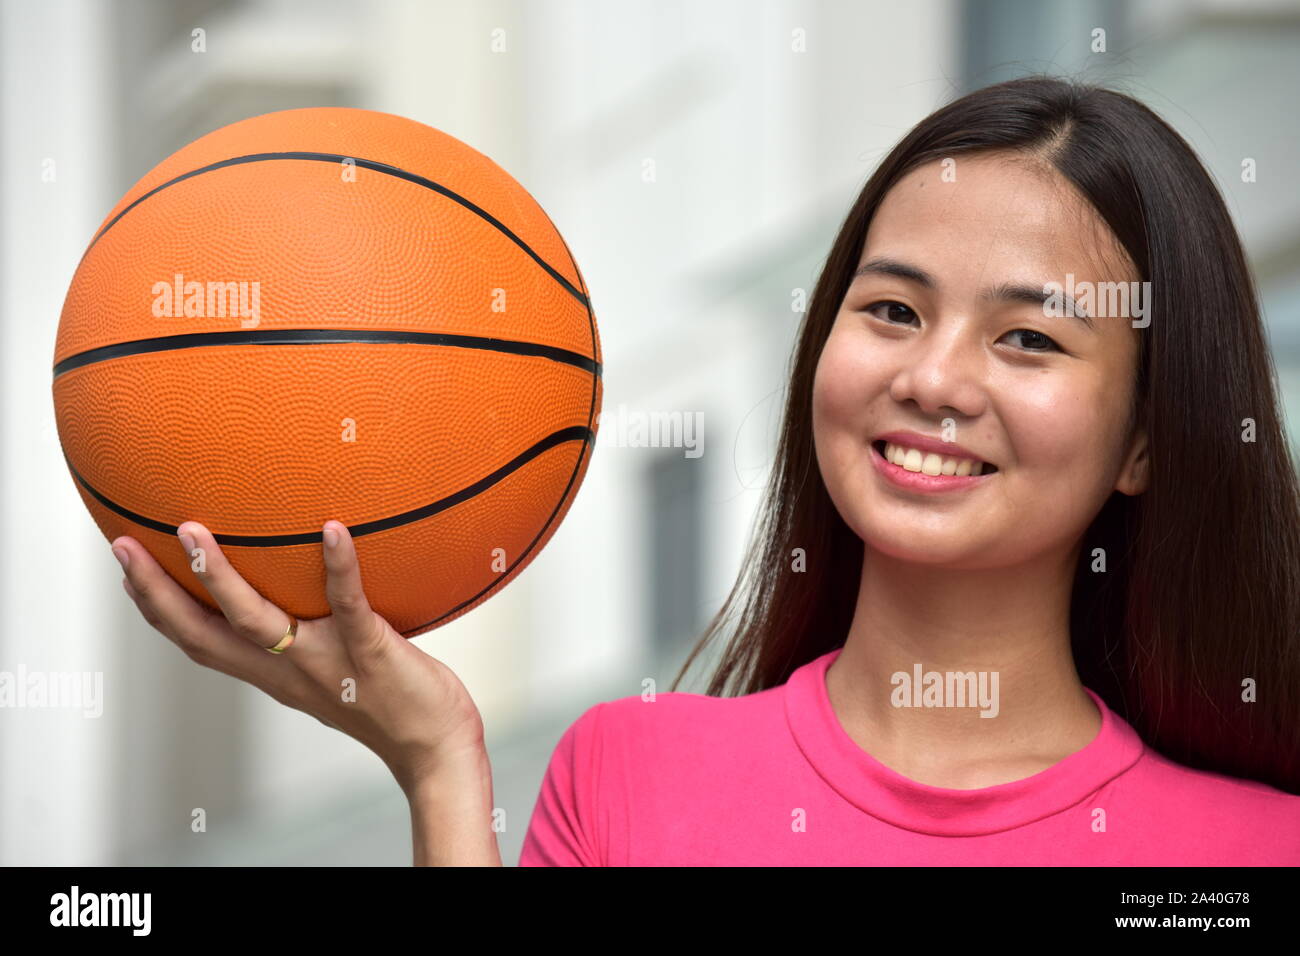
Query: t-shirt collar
x,y
888,795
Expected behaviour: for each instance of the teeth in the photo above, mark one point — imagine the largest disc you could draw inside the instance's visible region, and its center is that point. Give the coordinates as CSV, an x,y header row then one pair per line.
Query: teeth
x,y
928,463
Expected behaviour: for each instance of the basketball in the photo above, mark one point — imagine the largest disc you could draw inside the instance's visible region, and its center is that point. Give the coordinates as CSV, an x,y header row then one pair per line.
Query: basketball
x,y
322,314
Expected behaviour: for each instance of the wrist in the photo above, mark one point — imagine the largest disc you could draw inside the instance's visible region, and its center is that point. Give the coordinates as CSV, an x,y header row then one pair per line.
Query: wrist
x,y
460,767
452,813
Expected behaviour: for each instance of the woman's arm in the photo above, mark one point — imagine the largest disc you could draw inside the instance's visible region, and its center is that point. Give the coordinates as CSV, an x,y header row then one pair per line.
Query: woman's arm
x,y
451,815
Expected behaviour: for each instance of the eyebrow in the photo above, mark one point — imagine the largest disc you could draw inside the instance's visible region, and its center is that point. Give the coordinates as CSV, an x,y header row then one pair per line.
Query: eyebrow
x,y
1003,292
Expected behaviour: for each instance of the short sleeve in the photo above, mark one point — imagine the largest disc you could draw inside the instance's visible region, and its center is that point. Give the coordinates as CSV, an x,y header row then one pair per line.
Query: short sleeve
x,y
562,831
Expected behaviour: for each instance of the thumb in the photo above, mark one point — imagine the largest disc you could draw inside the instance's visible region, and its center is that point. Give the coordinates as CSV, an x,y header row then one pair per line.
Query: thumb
x,y
347,600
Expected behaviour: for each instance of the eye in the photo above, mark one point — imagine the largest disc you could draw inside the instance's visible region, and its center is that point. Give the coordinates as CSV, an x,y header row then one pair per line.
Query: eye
x,y
888,310
1039,341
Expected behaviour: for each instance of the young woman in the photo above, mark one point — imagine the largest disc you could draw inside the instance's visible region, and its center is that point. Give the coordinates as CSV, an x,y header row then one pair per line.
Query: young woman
x,y
1026,587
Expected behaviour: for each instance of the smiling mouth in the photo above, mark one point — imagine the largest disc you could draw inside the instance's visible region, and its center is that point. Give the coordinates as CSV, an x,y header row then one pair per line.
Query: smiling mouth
x,y
928,463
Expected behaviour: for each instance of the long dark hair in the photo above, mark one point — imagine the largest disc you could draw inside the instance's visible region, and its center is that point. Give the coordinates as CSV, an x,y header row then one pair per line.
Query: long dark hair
x,y
1202,587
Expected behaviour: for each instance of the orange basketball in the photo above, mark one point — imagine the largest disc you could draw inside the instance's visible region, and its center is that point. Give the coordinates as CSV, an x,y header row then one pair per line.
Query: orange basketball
x,y
331,314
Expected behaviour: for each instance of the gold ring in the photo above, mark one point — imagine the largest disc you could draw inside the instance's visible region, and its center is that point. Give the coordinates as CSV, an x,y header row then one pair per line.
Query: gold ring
x,y
289,634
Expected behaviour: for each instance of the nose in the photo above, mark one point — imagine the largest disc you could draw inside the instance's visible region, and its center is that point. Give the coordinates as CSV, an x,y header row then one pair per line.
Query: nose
x,y
943,372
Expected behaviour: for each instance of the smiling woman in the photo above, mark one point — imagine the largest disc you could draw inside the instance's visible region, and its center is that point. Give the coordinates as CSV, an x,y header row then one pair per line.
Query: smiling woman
x,y
1093,512
944,329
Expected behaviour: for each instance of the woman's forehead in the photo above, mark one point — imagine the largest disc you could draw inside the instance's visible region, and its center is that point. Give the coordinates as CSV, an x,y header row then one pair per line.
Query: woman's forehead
x,y
996,207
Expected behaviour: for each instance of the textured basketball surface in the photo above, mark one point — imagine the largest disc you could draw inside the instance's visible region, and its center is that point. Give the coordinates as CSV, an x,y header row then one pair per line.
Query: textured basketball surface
x,y
423,364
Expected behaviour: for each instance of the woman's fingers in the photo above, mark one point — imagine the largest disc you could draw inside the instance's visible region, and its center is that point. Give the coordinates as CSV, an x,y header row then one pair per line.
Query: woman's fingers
x,y
257,620
251,616
145,610
205,637
312,672
362,632
162,601
350,670
169,609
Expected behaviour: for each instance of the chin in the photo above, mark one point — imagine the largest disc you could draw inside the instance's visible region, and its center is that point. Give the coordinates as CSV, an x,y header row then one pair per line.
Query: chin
x,y
913,552
939,549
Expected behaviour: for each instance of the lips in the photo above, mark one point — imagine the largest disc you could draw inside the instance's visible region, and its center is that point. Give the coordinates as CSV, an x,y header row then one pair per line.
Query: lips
x,y
919,483
931,446
931,463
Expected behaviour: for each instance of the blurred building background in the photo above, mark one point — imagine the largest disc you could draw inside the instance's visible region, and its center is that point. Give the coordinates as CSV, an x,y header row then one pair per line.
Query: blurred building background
x,y
759,122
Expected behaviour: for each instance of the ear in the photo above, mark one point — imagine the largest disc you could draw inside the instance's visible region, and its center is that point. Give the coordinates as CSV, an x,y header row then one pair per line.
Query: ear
x,y
1135,473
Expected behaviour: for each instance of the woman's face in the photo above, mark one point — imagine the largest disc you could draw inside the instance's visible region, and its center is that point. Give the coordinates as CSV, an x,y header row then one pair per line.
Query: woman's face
x,y
927,341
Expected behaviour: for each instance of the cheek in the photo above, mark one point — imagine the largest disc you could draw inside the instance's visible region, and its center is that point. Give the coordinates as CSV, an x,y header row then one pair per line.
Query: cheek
x,y
1062,430
843,384
846,388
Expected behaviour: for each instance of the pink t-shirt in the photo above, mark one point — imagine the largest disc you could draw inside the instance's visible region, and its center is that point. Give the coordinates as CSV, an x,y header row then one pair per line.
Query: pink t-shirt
x,y
773,779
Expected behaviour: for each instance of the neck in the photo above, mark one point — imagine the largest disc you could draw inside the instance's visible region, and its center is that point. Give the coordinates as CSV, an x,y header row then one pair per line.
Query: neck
x,y
1012,622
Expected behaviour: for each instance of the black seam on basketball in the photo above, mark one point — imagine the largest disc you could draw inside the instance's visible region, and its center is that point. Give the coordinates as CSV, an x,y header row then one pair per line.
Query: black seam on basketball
x,y
166,343
587,446
573,433
364,164
509,572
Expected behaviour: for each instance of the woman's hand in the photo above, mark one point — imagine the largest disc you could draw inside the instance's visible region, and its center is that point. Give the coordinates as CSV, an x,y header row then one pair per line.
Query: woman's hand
x,y
409,708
